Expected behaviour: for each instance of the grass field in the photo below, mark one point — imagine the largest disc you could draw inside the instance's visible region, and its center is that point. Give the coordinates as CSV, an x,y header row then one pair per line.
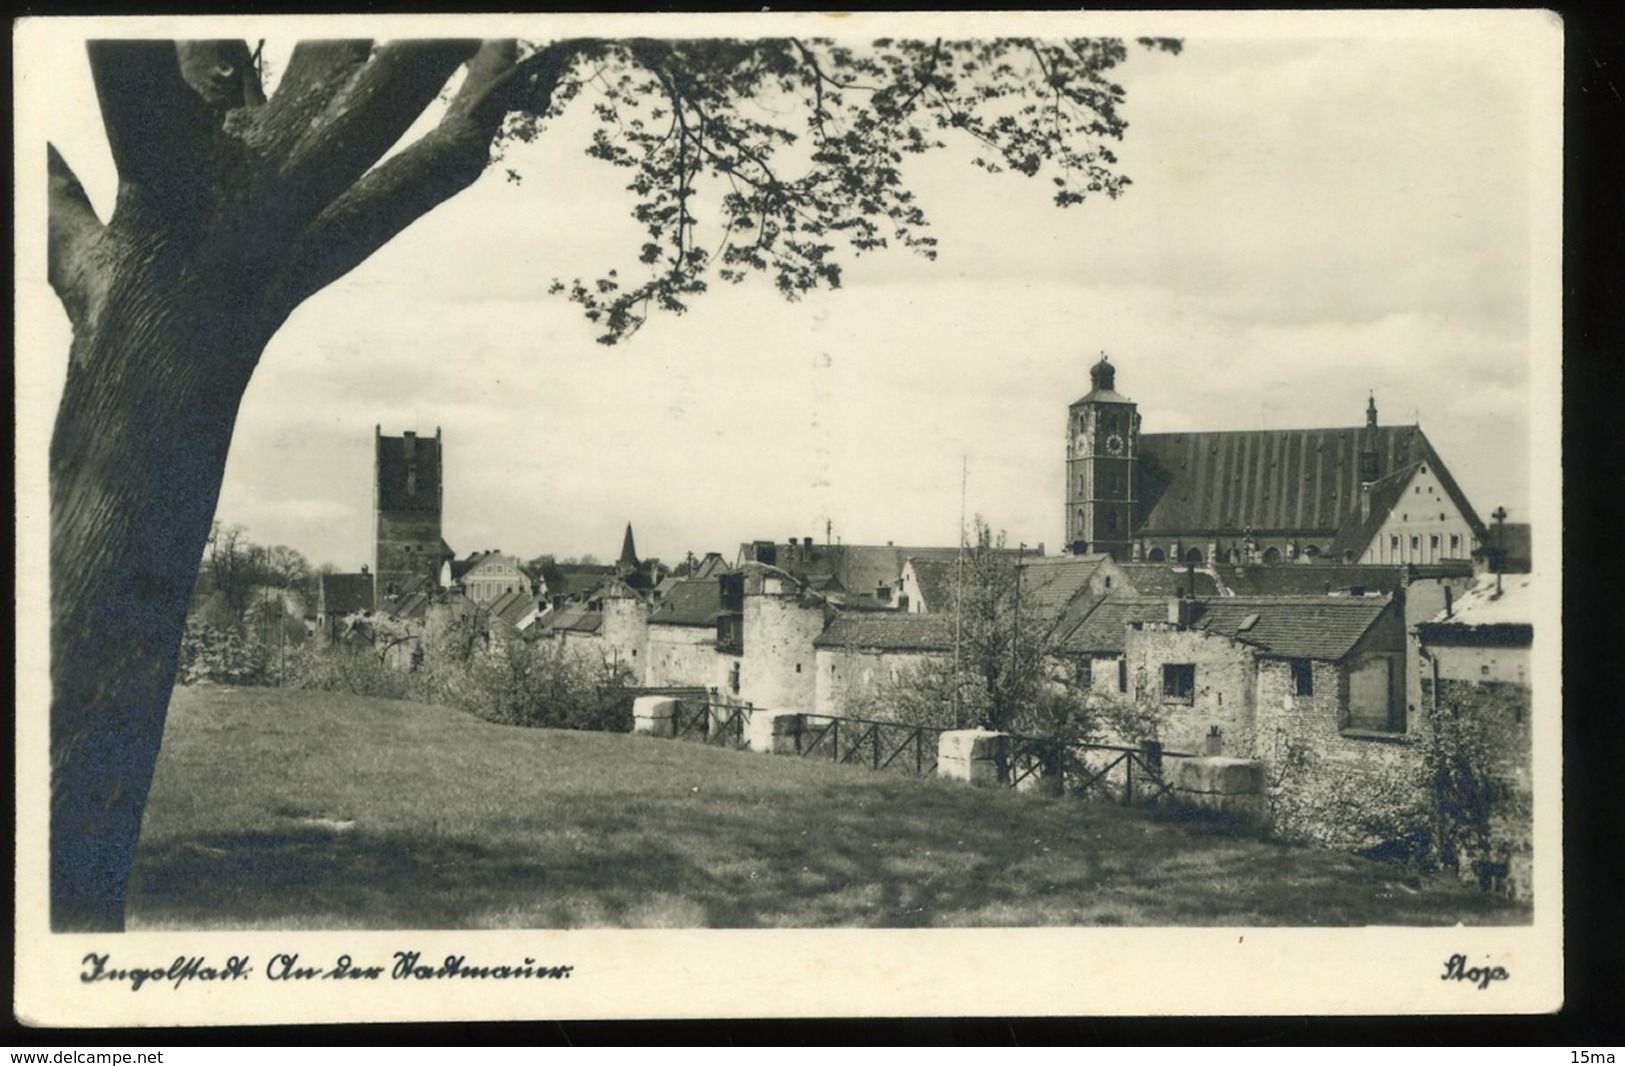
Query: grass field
x,y
291,810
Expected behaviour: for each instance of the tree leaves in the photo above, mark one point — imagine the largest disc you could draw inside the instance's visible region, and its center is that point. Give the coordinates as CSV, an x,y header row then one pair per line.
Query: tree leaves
x,y
785,156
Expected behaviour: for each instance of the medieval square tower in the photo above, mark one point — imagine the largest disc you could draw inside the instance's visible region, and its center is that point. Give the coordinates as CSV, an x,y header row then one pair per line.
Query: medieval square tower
x,y
407,489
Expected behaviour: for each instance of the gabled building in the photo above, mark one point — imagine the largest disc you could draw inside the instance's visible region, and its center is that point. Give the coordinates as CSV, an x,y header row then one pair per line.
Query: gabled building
x,y
1372,493
486,576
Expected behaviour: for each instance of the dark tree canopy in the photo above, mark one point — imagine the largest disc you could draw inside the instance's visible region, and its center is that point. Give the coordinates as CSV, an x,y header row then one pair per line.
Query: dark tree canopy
x,y
777,156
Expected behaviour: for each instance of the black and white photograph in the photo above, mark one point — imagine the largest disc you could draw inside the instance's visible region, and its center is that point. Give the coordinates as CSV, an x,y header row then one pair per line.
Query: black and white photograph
x,y
663,516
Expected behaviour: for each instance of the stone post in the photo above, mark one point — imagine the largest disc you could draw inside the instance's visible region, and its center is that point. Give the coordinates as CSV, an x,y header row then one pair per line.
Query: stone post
x,y
773,732
973,755
1224,785
655,715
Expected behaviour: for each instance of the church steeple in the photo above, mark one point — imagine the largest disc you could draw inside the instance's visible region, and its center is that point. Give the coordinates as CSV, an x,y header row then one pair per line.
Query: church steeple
x,y
629,553
1370,455
1103,430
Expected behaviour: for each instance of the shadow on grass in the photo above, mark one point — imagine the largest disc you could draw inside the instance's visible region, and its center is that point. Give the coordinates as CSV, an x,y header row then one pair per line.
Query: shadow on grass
x,y
898,854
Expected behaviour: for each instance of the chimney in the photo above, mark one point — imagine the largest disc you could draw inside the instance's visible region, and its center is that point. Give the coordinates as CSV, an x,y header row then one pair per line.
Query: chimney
x,y
806,544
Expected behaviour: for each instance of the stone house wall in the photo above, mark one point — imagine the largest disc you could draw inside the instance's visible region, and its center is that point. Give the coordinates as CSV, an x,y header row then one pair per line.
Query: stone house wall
x,y
1223,694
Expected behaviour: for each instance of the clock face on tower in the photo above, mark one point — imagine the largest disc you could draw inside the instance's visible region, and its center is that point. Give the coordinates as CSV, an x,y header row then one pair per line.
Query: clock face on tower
x,y
1114,444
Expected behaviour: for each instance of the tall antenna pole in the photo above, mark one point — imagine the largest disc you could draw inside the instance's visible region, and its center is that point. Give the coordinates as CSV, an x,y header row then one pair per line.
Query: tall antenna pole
x,y
959,593
1015,630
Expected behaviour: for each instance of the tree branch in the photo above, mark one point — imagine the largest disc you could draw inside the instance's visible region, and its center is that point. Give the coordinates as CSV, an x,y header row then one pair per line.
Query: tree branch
x,y
369,115
317,70
426,173
73,231
160,131
222,73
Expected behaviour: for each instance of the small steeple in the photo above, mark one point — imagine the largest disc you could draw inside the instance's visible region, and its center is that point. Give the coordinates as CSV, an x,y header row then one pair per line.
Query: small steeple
x,y
1371,411
629,554
1102,375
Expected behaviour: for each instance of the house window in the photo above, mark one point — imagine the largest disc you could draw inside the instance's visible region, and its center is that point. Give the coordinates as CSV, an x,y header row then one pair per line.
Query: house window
x,y
1122,675
1085,675
1416,543
1178,682
733,679
1393,542
1303,677
1455,543
1433,541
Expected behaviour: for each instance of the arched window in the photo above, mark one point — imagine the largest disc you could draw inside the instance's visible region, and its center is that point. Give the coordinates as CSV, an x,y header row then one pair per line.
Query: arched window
x,y
1155,555
1272,555
1313,551
1194,556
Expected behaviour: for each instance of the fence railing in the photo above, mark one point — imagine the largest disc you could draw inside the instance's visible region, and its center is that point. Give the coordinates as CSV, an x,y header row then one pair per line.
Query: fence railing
x,y
871,742
1079,768
721,724
1070,767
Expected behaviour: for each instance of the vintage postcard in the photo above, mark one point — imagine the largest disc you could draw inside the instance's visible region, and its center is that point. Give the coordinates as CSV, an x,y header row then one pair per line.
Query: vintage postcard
x,y
575,517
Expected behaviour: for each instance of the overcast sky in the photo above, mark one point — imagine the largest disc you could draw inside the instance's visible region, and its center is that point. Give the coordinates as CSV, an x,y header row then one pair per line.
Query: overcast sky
x,y
1313,215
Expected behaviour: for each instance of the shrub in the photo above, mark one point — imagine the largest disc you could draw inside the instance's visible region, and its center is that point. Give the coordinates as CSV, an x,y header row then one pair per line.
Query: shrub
x,y
211,655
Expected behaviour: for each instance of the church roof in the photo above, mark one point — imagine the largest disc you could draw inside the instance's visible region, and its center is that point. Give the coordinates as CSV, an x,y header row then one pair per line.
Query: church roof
x,y
1301,480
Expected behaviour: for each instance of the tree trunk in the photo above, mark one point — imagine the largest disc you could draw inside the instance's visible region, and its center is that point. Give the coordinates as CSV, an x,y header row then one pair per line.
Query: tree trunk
x,y
137,458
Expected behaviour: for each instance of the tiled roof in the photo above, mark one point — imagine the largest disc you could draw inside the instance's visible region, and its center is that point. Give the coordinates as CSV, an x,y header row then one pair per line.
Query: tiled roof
x,y
1300,627
1492,602
513,607
342,594
935,581
411,607
1049,583
1167,579
572,618
889,631
688,602
1102,630
856,568
1265,480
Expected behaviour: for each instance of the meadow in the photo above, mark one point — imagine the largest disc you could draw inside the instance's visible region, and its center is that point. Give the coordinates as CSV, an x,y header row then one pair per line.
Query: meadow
x,y
282,809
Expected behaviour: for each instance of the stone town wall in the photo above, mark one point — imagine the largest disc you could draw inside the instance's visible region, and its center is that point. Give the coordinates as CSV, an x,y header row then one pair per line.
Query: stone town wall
x,y
849,679
625,634
683,656
779,666
1326,783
